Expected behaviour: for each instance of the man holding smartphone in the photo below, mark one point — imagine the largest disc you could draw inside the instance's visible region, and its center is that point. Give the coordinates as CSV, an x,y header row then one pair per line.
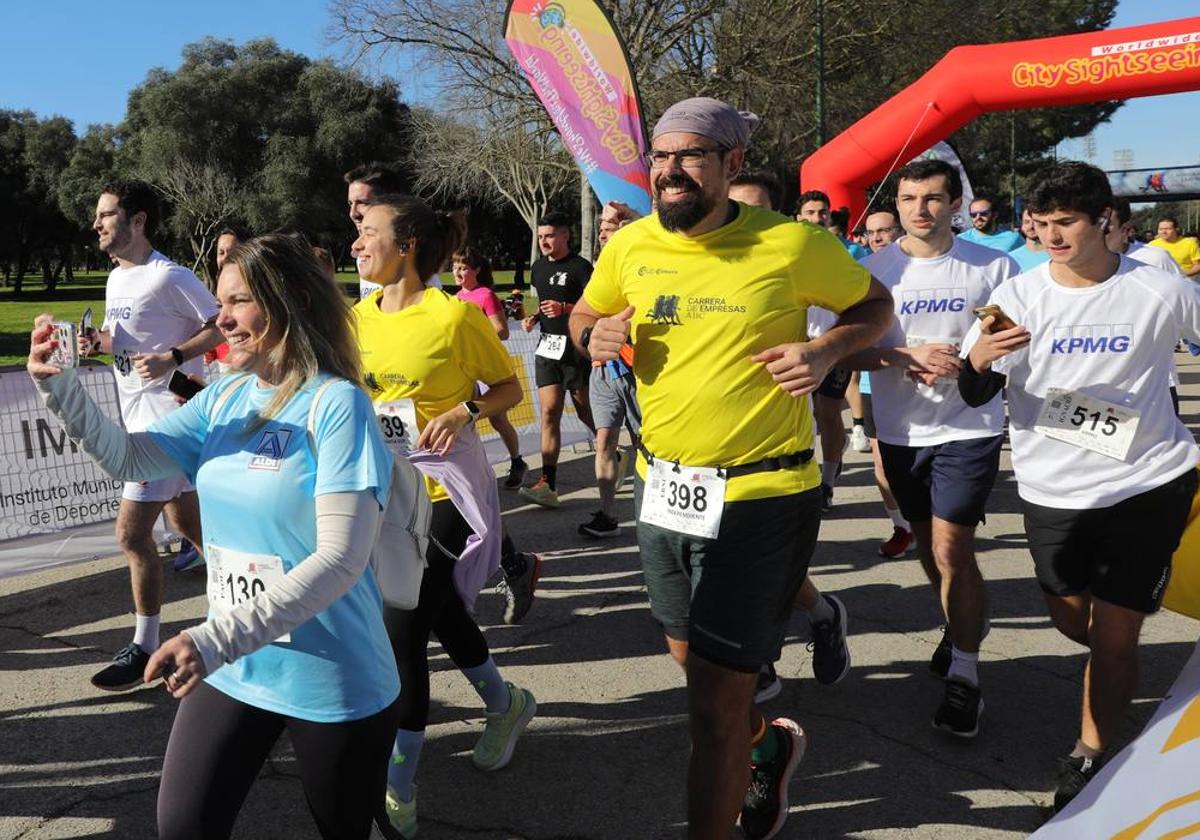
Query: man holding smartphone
x,y
940,455
1105,469
157,319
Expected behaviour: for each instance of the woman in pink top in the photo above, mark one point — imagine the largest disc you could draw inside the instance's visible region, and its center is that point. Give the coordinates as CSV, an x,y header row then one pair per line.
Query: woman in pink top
x,y
473,275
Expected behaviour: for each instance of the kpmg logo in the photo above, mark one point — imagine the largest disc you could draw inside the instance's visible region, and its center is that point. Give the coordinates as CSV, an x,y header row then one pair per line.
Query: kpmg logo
x,y
1092,338
121,310
931,301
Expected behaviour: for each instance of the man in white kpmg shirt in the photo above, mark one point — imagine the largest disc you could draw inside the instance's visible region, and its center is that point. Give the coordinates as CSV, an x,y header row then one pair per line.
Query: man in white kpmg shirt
x,y
1105,469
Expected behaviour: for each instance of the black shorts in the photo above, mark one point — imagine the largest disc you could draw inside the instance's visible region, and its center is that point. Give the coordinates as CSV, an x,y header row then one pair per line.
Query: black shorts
x,y
1120,554
835,383
868,417
731,598
951,481
571,372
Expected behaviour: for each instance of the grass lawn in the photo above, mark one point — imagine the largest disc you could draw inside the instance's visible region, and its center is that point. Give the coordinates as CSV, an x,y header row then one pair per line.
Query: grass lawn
x,y
68,302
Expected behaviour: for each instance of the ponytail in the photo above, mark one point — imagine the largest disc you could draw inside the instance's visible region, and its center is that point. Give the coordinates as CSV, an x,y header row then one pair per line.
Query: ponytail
x,y
438,234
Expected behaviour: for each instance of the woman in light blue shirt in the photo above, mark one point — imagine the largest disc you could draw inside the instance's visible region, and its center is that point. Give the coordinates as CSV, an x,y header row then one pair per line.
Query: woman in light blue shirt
x,y
294,638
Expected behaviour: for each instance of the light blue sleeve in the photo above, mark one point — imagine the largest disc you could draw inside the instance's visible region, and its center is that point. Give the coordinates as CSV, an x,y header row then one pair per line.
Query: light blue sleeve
x,y
351,453
181,434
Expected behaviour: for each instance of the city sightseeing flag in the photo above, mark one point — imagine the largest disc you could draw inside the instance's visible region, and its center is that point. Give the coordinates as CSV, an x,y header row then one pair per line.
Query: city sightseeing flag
x,y
572,56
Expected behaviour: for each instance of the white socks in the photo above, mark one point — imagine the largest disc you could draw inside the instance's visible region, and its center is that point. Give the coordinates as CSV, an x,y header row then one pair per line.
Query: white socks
x,y
145,633
897,518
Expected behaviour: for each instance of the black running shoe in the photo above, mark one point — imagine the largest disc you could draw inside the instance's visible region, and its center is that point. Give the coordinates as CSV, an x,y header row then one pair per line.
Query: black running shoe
x,y
831,656
765,808
962,706
127,670
516,474
600,526
1074,772
939,663
826,498
518,590
769,685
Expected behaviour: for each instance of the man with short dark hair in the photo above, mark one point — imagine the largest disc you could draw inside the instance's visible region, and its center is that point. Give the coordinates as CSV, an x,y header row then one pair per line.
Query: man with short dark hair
x,y
362,184
985,228
1185,250
813,206
558,278
728,504
1032,253
158,318
1105,469
940,455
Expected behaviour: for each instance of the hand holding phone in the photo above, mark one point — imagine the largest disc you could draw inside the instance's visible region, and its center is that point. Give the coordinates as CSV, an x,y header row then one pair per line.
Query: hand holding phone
x,y
183,386
1002,322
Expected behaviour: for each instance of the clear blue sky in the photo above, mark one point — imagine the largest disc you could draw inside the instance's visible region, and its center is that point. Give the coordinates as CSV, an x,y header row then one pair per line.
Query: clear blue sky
x,y
81,59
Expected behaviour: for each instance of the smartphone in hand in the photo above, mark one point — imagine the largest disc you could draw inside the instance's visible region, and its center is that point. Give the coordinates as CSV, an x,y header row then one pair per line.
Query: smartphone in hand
x,y
66,351
1002,322
183,386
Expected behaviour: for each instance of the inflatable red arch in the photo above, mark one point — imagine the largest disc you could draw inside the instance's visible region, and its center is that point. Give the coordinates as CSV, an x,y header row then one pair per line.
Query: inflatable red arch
x,y
1111,64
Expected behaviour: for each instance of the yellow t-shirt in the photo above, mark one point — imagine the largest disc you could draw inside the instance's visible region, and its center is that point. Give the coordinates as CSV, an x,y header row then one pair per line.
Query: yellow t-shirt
x,y
1185,250
703,307
432,353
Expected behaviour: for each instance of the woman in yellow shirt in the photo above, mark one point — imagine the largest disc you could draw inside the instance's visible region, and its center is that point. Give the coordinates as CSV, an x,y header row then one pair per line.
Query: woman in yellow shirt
x,y
423,351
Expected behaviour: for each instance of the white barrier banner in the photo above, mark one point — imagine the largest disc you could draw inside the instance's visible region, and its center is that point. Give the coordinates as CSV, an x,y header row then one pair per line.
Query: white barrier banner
x,y
1152,787
56,506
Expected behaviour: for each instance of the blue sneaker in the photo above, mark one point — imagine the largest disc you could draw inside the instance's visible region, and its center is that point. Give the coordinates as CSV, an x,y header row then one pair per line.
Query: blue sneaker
x,y
187,558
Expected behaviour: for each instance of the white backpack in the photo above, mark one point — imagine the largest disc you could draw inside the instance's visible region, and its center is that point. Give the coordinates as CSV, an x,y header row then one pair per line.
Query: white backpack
x,y
398,557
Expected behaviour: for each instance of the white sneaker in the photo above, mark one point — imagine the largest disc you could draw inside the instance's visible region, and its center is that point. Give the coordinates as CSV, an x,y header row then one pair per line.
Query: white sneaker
x,y
858,440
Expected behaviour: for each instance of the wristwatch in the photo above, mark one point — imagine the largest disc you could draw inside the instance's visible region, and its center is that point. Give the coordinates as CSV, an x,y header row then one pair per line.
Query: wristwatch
x,y
472,411
585,337
177,355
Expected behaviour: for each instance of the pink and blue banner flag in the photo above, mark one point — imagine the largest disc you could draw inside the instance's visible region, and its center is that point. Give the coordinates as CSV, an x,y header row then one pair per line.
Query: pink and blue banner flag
x,y
573,57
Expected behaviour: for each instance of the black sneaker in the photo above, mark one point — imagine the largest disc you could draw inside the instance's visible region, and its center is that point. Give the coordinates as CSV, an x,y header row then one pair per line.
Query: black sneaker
x,y
1074,772
831,656
518,590
939,663
516,474
962,706
826,498
600,526
127,670
769,685
765,808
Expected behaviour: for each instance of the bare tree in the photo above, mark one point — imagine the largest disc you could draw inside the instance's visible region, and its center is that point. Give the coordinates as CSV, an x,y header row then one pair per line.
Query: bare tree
x,y
204,197
508,160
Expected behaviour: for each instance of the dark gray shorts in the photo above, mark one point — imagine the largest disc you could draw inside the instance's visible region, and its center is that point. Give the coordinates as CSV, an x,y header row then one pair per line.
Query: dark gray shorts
x,y
614,402
731,598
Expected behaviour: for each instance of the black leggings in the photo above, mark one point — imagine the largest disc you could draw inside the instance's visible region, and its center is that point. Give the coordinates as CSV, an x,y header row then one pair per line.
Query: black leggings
x,y
219,744
439,610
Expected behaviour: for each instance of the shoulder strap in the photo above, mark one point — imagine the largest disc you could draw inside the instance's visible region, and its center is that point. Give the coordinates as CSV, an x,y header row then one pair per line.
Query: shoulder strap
x,y
227,394
312,409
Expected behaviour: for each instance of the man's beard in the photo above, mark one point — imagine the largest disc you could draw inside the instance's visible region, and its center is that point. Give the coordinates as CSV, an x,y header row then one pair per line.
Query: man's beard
x,y
682,213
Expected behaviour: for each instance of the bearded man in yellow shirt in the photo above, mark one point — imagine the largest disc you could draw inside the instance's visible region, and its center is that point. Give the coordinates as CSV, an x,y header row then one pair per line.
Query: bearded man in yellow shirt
x,y
715,296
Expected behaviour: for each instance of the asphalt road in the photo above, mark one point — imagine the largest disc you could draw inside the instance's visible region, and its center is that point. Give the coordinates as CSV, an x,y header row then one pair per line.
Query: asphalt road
x,y
605,757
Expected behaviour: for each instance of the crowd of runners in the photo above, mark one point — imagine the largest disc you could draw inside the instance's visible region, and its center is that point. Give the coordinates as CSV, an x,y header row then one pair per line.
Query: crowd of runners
x,y
725,339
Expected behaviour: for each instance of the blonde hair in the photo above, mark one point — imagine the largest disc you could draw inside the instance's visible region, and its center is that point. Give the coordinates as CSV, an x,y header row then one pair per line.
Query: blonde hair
x,y
305,306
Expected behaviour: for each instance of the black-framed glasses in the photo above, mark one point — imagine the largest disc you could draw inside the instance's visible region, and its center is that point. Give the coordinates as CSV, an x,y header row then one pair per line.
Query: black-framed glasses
x,y
980,214
688,158
881,231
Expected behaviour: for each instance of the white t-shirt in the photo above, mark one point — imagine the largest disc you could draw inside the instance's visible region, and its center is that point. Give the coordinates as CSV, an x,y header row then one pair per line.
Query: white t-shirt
x,y
151,308
1116,342
1156,257
933,301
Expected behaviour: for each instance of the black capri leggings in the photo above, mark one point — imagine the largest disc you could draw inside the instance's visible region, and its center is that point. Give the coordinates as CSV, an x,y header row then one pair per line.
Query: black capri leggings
x,y
219,744
439,610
